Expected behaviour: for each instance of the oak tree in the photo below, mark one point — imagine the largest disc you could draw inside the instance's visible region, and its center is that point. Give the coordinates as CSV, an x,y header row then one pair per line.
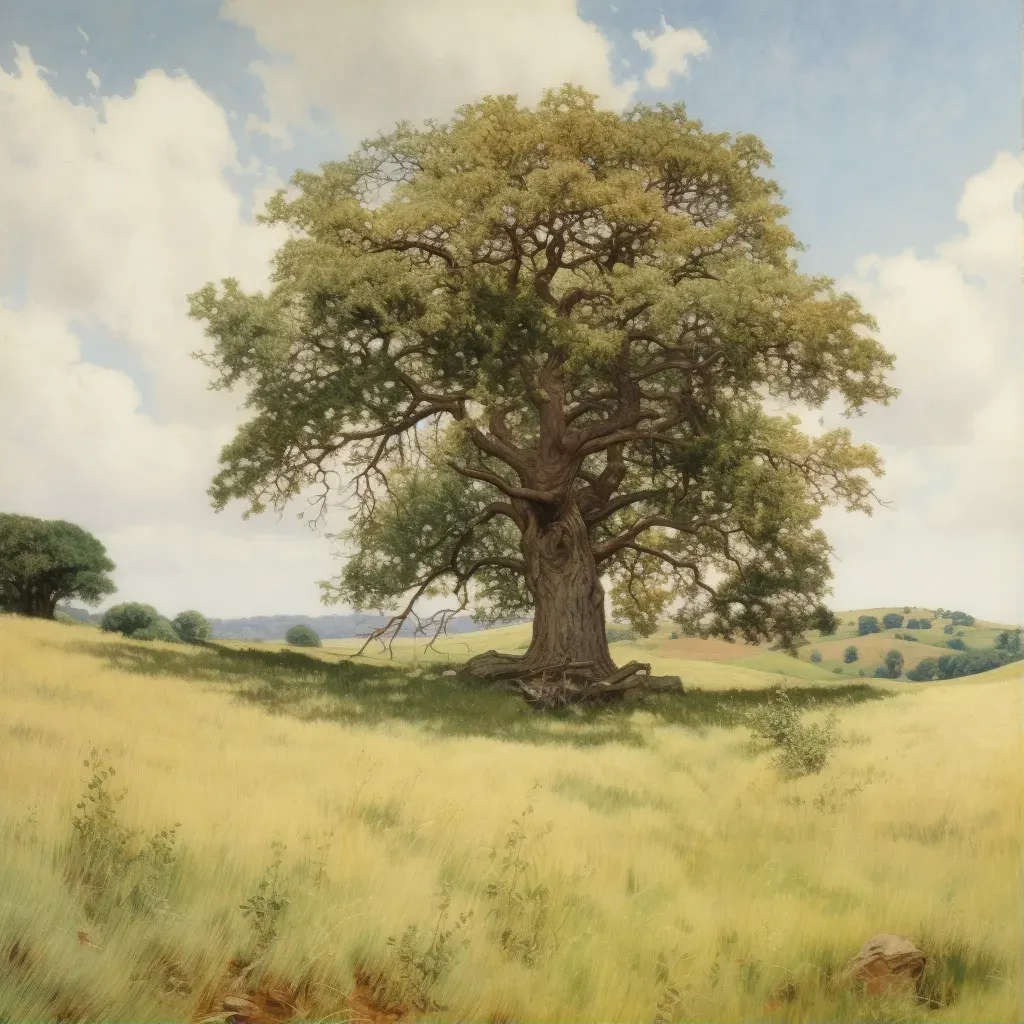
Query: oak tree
x,y
535,349
46,561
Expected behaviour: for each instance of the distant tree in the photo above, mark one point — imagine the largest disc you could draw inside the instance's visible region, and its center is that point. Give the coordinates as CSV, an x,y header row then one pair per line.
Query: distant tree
x,y
850,655
962,619
940,613
924,624
892,621
913,623
192,627
837,670
1009,641
673,635
129,618
862,671
956,644
893,664
881,672
302,636
947,629
868,624
536,343
816,657
159,629
46,561
924,671
906,609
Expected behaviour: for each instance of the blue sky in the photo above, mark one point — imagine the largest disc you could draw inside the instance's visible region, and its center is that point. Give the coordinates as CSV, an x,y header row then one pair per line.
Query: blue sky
x,y
879,114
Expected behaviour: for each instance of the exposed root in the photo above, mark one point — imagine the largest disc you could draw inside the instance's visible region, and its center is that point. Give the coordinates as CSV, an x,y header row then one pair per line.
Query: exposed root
x,y
570,683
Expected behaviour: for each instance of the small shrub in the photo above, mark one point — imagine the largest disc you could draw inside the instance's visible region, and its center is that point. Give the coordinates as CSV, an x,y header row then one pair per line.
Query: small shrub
x,y
128,618
159,629
924,624
418,969
673,635
850,655
616,634
956,644
302,636
924,672
267,905
837,670
962,619
192,627
948,630
868,624
913,623
800,749
881,672
816,657
892,621
906,609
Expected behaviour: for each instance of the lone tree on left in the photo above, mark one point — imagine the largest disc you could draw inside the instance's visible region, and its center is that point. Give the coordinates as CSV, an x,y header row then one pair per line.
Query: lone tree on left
x,y
46,561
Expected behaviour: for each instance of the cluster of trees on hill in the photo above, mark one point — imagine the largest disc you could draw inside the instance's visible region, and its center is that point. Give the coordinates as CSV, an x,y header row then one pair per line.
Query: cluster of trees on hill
x,y
867,624
144,622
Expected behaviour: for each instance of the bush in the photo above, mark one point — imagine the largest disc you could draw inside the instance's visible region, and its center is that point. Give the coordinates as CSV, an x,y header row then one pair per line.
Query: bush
x,y
850,655
837,670
924,624
159,629
128,618
302,636
952,666
801,749
962,619
881,672
868,624
956,644
620,633
906,609
925,671
192,627
913,623
1009,641
948,630
893,664
816,657
892,621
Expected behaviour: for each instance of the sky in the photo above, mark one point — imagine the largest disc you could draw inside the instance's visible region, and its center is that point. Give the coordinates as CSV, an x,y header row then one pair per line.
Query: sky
x,y
137,140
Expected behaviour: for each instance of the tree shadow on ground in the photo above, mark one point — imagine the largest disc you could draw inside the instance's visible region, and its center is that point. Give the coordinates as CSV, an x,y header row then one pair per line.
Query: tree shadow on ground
x,y
313,688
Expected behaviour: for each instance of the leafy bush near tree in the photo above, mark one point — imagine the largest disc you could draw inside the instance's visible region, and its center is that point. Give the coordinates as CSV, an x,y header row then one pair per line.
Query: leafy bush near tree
x,y
956,644
302,636
867,624
816,657
159,629
128,618
192,627
892,621
924,624
850,655
913,623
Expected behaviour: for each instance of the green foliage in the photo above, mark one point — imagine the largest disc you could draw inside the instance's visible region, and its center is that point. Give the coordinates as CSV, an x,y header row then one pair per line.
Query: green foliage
x,y
924,624
907,636
456,299
962,619
924,671
913,623
837,670
816,657
892,621
302,636
868,624
850,655
948,630
906,609
419,968
881,672
129,618
617,634
522,916
893,664
159,629
266,907
115,866
1009,641
956,644
44,562
192,627
800,749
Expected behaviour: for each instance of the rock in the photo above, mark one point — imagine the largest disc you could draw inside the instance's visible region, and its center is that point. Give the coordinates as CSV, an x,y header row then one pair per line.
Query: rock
x,y
886,963
448,673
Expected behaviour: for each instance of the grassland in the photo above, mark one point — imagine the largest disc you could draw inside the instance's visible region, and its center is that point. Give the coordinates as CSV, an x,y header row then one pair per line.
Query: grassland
x,y
681,876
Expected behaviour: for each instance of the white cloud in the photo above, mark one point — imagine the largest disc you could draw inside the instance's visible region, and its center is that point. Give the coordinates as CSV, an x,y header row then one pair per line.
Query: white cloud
x,y
93,79
83,33
952,441
671,51
369,65
112,215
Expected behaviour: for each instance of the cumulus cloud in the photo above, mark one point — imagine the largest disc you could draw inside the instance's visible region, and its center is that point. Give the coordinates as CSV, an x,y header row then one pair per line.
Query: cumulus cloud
x,y
951,442
671,50
112,214
369,65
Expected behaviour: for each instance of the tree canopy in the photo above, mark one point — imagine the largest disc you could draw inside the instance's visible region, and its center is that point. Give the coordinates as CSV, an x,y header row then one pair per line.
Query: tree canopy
x,y
532,348
46,561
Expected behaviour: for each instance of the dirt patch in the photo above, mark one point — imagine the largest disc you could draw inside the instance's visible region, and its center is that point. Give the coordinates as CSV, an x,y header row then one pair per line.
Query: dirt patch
x,y
695,649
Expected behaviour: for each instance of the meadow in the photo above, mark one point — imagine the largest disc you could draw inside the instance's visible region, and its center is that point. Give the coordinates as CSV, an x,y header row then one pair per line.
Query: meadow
x,y
377,839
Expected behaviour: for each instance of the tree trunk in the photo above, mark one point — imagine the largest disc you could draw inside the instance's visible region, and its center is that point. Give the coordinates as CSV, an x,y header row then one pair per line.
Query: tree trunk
x,y
568,622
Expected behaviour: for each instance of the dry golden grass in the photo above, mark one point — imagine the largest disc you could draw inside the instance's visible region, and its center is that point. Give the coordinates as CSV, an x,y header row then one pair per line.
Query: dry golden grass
x,y
690,876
